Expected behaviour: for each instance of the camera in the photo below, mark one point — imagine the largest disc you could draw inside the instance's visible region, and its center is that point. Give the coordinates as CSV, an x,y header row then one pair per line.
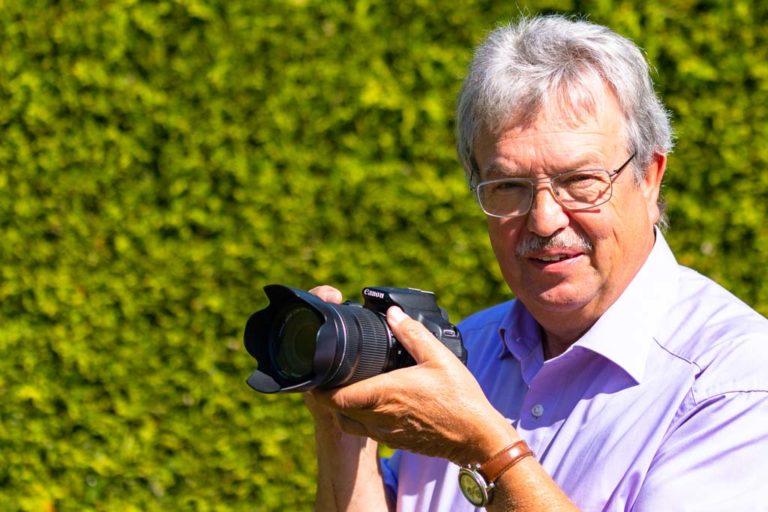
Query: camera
x,y
301,342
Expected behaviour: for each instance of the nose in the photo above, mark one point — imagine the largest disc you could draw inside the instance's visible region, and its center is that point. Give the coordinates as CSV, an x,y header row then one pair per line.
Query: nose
x,y
546,216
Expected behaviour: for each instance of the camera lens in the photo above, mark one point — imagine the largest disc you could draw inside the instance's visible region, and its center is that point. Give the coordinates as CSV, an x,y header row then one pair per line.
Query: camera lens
x,y
302,342
293,342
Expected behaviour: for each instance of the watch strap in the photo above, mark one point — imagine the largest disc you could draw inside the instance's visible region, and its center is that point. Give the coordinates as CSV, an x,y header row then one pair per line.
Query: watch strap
x,y
494,467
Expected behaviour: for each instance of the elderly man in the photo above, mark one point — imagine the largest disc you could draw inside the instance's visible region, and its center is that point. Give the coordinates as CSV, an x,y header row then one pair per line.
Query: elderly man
x,y
617,379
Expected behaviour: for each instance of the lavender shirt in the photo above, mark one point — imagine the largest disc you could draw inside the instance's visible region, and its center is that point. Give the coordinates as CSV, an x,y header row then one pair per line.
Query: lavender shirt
x,y
661,405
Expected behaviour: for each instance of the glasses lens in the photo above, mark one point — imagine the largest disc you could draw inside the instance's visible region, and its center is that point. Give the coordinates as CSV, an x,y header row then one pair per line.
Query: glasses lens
x,y
505,198
582,189
293,342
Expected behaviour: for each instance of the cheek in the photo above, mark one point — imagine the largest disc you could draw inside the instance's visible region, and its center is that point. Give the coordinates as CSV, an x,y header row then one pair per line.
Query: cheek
x,y
610,237
498,231
504,235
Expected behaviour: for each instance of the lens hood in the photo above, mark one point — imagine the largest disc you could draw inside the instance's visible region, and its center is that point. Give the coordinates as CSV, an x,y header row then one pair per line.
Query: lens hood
x,y
261,327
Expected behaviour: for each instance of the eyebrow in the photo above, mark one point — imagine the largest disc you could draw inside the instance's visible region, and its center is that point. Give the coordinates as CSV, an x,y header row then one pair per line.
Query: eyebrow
x,y
496,170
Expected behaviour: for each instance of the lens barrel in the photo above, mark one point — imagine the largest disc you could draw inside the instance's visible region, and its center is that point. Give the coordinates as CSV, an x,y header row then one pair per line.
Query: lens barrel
x,y
301,342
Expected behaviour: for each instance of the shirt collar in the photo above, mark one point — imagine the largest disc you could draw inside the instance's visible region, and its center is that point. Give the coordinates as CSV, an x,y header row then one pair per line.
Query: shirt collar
x,y
625,332
521,338
622,335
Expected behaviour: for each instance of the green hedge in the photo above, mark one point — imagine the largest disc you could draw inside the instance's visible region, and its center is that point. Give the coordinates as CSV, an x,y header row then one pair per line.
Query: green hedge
x,y
162,161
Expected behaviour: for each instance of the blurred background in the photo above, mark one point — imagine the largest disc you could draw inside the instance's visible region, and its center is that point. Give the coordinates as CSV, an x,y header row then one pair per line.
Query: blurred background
x,y
162,161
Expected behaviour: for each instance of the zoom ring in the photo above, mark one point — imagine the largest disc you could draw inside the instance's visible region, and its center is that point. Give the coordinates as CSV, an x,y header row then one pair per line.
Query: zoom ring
x,y
374,345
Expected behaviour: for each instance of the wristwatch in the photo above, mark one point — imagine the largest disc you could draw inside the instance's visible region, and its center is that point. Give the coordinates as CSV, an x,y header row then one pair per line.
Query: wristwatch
x,y
477,481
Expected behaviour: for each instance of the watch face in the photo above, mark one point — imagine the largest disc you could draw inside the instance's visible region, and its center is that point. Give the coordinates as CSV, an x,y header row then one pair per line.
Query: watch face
x,y
472,489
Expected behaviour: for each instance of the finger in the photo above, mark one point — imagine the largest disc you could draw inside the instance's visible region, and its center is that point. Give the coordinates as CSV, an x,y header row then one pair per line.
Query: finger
x,y
327,293
359,396
416,338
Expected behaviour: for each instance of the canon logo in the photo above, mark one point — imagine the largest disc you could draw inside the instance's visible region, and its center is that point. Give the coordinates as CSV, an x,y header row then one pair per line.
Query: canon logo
x,y
373,293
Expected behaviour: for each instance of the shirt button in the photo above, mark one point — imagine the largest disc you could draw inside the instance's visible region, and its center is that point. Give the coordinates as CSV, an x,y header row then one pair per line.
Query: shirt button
x,y
537,410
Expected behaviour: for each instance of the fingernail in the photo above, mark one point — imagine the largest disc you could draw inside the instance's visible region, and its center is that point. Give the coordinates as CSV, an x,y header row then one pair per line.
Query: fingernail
x,y
396,314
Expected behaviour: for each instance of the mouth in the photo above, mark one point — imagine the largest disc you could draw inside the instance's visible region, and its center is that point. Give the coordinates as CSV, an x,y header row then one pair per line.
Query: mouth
x,y
550,259
554,260
556,253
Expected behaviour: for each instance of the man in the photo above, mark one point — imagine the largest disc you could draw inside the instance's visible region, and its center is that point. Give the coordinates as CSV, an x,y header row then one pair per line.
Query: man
x,y
634,383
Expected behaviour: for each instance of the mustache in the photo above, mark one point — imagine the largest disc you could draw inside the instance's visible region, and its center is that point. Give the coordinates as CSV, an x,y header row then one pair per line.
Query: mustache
x,y
562,240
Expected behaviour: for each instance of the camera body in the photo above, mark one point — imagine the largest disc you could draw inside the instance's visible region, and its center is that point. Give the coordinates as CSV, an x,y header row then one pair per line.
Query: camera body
x,y
420,305
301,342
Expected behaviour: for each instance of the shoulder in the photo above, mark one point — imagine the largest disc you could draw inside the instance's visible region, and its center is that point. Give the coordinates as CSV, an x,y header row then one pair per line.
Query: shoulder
x,y
721,336
480,331
490,318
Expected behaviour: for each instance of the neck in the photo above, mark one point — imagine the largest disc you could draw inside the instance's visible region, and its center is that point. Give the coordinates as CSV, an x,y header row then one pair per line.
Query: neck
x,y
555,344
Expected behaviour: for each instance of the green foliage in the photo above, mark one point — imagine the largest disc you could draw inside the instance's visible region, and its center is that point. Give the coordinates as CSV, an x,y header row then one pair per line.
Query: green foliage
x,y
162,161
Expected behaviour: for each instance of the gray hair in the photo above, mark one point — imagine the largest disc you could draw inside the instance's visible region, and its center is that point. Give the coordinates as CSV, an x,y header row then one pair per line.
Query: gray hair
x,y
523,66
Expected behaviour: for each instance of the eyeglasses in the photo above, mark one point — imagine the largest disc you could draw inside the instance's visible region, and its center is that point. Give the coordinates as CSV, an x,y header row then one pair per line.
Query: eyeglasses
x,y
573,190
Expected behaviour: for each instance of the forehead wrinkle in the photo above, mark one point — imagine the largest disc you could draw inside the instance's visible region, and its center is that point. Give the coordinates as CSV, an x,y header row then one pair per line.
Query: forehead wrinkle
x,y
585,159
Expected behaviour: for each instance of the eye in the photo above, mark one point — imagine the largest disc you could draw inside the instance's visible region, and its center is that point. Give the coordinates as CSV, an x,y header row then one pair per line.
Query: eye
x,y
582,179
507,186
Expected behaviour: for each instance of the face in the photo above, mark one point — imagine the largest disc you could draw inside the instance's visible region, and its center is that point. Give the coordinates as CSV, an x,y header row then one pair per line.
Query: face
x,y
568,267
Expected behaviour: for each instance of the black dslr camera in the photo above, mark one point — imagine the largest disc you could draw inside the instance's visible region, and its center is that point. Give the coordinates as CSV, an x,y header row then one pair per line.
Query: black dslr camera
x,y
302,342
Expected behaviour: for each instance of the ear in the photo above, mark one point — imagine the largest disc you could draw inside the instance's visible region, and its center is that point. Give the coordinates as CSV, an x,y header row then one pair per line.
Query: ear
x,y
651,185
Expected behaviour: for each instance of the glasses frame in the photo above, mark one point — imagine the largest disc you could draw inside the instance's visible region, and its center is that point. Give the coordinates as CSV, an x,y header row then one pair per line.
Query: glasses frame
x,y
548,181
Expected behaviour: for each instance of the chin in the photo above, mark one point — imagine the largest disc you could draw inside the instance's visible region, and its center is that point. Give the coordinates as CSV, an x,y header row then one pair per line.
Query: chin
x,y
555,300
560,305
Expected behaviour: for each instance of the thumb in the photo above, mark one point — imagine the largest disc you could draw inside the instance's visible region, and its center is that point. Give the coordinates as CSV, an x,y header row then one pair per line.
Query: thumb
x,y
414,337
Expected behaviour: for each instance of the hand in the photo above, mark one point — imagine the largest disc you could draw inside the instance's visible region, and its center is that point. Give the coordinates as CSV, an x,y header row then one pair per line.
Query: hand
x,y
436,408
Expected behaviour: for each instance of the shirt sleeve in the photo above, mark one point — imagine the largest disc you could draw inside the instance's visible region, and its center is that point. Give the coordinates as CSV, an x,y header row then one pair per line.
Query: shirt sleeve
x,y
715,459
389,470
